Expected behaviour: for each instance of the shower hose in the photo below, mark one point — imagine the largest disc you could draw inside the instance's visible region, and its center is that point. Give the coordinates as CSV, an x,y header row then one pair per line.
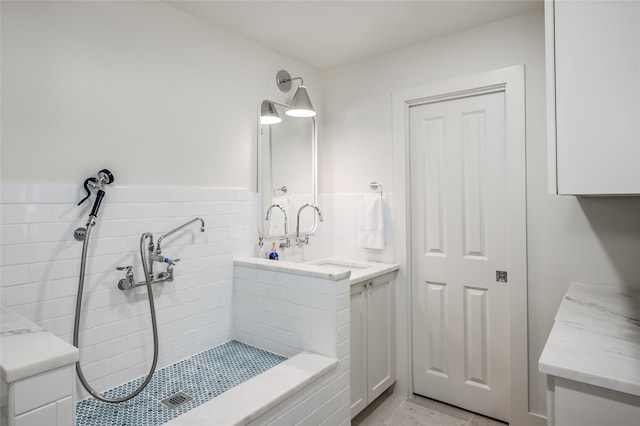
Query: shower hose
x,y
76,325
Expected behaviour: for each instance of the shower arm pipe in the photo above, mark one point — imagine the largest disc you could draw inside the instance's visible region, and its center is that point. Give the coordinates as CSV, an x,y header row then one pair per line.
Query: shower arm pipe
x,y
146,263
158,248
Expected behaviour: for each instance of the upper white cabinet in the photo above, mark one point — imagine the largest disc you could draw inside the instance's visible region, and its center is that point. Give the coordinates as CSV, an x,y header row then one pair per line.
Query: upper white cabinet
x,y
593,96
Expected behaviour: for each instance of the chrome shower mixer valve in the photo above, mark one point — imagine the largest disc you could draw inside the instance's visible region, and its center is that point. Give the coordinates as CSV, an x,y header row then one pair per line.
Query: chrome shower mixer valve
x,y
154,254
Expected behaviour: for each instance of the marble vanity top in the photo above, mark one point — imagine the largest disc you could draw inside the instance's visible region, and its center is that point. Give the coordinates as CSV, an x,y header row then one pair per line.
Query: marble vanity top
x,y
360,270
596,338
27,349
331,269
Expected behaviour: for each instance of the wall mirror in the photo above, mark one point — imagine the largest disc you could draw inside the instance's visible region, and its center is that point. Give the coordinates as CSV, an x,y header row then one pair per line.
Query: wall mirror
x,y
287,173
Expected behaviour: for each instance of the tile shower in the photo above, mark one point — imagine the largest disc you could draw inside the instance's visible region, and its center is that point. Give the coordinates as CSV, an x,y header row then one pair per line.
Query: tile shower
x,y
40,262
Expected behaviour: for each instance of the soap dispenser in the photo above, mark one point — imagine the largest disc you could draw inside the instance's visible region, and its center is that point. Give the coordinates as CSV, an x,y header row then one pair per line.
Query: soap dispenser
x,y
274,254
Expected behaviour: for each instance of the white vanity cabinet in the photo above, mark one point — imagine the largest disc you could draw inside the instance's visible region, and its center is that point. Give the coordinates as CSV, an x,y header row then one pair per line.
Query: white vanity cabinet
x,y
372,339
593,97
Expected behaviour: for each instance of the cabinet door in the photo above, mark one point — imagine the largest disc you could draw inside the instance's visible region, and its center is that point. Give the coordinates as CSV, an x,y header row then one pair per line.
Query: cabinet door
x,y
575,403
380,336
597,96
43,416
358,357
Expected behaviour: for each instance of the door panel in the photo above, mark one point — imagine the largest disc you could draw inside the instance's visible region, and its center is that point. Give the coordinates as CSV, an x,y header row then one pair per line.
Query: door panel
x,y
381,363
476,355
432,310
459,241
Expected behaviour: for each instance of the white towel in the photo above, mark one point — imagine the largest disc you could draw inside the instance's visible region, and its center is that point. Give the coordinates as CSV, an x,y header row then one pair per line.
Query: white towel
x,y
370,231
276,217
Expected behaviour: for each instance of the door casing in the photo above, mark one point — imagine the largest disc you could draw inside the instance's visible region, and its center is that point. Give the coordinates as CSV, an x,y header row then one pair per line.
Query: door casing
x,y
511,81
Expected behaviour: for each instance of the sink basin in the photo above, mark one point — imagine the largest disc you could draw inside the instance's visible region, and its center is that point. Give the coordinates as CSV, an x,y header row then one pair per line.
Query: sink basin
x,y
337,264
360,270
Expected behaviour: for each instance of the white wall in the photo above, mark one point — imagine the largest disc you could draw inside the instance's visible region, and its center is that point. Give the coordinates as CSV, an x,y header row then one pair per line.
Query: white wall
x,y
169,104
591,240
157,96
41,261
164,99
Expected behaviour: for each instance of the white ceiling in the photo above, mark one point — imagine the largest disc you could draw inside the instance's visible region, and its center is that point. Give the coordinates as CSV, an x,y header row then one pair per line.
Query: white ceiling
x,y
325,33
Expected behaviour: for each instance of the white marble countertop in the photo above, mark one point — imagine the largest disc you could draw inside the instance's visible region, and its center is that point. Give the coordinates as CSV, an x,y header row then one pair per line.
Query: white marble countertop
x,y
596,338
330,269
27,349
360,270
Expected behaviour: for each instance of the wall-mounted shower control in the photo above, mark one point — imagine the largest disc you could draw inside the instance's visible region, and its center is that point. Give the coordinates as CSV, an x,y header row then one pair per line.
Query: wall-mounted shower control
x,y
154,254
79,233
127,282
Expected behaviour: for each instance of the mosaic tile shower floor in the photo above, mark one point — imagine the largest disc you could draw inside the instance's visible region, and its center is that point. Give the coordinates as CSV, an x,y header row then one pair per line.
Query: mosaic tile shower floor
x,y
203,376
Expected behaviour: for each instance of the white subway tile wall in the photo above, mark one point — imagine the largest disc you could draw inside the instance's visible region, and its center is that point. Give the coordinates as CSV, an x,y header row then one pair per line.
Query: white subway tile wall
x,y
40,263
325,402
287,313
292,313
204,306
336,235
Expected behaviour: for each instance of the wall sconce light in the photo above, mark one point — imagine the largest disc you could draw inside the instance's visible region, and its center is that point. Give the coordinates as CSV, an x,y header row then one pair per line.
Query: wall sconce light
x,y
269,113
300,105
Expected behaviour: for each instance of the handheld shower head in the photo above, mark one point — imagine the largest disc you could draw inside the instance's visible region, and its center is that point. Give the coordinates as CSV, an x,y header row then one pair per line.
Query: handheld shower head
x,y
105,177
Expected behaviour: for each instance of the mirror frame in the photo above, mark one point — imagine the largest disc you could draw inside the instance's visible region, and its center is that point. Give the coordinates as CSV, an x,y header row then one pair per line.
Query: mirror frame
x,y
314,175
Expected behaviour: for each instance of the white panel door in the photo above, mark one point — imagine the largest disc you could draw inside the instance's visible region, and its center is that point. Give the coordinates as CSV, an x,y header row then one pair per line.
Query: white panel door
x,y
459,240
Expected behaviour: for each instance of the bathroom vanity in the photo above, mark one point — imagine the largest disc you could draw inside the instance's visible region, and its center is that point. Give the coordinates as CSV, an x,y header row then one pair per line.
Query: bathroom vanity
x,y
591,358
372,325
36,369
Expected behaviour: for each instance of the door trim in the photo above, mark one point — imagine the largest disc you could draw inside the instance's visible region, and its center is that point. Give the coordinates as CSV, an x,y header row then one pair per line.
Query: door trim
x,y
509,80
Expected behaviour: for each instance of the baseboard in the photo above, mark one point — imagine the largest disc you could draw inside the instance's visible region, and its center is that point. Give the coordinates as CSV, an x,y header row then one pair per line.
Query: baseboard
x,y
537,420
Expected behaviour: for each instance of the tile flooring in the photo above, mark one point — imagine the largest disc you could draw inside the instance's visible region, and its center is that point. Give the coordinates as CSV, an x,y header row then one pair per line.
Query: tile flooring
x,y
202,376
391,410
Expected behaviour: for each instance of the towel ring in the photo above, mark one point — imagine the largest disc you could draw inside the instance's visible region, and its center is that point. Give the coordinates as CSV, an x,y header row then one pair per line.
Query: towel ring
x,y
376,186
283,190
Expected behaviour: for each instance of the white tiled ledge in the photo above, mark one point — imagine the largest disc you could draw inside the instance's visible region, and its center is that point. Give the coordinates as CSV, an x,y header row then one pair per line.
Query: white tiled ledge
x,y
596,338
358,271
295,268
27,349
251,399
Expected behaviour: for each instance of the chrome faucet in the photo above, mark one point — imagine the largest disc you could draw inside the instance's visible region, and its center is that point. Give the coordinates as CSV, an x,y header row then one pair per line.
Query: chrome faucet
x,y
284,212
299,242
154,255
178,229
